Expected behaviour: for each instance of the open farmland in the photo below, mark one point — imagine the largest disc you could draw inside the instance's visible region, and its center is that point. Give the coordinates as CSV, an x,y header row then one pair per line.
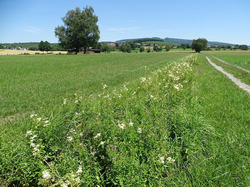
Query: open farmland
x,y
31,82
21,52
177,124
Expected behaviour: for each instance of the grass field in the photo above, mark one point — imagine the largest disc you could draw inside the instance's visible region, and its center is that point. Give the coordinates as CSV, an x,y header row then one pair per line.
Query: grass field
x,y
239,59
169,124
236,59
31,82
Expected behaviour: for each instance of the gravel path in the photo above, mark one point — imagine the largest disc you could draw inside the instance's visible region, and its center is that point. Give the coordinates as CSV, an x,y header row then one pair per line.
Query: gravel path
x,y
232,65
230,76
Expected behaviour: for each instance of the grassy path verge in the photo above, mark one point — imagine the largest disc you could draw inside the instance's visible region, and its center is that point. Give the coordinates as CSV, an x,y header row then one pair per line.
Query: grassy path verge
x,y
226,109
232,65
238,73
231,77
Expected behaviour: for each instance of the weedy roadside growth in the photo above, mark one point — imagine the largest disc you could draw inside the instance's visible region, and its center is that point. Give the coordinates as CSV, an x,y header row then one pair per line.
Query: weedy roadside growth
x,y
139,135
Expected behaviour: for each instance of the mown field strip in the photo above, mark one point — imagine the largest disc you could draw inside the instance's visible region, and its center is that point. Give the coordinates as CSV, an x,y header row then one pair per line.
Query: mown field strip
x,y
230,76
231,64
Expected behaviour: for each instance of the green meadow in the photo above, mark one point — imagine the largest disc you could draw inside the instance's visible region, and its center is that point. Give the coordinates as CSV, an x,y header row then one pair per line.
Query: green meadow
x,y
31,82
238,59
157,119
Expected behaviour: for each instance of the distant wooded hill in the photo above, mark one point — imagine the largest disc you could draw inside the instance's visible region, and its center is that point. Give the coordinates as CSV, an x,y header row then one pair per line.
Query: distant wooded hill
x,y
176,41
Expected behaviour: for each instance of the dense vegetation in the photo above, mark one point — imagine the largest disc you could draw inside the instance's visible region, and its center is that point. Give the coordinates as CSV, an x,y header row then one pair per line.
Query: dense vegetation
x,y
177,125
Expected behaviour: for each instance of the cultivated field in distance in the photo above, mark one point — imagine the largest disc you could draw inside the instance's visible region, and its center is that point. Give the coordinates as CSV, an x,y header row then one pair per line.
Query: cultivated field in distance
x,y
21,52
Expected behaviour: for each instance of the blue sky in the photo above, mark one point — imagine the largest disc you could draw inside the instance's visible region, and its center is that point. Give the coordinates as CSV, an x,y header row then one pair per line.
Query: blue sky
x,y
215,20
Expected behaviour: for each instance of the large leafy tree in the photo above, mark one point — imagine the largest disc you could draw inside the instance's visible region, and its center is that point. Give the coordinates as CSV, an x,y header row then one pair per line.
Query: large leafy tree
x,y
44,46
199,44
80,30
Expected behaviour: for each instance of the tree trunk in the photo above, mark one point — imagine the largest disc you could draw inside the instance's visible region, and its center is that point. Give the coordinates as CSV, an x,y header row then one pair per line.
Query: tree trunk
x,y
85,50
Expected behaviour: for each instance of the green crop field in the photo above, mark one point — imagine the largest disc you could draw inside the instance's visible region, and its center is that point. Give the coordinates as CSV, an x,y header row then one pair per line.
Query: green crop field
x,y
157,119
31,82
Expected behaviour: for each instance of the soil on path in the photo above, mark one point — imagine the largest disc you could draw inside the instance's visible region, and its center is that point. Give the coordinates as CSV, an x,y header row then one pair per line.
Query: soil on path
x,y
230,76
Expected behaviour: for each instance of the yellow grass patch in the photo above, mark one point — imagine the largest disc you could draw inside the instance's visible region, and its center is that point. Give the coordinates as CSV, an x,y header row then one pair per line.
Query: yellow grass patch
x,y
20,52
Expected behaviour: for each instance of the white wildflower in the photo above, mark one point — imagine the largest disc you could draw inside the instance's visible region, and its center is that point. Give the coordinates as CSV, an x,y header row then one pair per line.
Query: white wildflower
x,y
121,125
130,124
161,159
98,135
171,75
104,86
107,96
151,96
33,138
38,119
139,130
125,88
143,79
81,134
76,101
170,160
69,138
29,133
93,153
134,93
47,121
176,78
102,142
46,175
64,101
79,171
120,96
78,180
176,87
64,184
32,144
33,115
35,151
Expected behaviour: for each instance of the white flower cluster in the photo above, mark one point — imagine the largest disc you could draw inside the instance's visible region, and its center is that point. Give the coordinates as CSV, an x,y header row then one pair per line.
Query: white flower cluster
x,y
35,146
77,98
39,120
121,125
97,136
46,175
169,159
104,86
